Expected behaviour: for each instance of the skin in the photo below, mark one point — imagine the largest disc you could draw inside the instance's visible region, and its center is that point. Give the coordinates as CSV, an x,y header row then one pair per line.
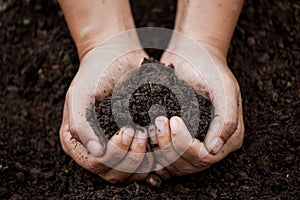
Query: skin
x,y
81,143
227,126
90,28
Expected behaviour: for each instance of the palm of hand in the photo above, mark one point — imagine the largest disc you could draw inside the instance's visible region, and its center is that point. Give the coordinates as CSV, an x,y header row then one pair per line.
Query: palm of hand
x,y
80,136
221,88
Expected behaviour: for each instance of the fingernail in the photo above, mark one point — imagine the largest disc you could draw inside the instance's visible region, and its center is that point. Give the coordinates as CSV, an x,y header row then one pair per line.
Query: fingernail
x,y
141,136
154,180
93,147
127,136
216,144
160,125
152,134
174,124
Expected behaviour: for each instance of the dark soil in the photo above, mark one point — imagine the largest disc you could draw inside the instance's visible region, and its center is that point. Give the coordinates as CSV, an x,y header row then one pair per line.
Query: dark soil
x,y
38,61
148,92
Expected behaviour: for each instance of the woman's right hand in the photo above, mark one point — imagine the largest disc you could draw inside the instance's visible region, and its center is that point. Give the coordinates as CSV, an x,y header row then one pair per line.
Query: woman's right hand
x,y
205,69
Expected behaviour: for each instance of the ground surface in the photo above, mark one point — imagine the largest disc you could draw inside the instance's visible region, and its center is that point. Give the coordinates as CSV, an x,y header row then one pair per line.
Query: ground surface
x,y
38,61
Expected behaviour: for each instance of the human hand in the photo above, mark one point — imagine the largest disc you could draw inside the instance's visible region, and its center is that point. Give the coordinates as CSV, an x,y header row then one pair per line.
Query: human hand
x,y
124,154
204,67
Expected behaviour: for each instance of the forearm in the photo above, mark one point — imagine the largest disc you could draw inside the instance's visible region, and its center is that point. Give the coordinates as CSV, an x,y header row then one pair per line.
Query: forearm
x,y
209,21
91,22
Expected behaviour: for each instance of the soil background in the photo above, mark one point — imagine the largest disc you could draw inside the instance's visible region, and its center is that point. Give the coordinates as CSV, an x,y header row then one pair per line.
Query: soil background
x,y
38,61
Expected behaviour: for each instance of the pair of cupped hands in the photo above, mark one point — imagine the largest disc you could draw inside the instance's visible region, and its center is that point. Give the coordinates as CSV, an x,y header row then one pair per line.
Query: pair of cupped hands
x,y
124,158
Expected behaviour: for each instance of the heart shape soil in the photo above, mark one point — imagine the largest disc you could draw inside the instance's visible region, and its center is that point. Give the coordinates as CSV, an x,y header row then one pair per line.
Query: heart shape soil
x,y
148,92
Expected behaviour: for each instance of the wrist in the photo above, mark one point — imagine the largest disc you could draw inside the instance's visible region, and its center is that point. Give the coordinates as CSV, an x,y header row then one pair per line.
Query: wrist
x,y
210,22
93,37
92,22
182,43
206,39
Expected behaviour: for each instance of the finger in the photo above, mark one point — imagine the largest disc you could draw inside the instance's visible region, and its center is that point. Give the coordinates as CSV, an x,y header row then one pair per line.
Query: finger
x,y
198,155
116,151
191,149
180,135
117,147
76,150
162,172
127,165
144,169
132,161
136,152
148,162
182,142
159,157
64,132
165,155
178,166
164,138
234,142
152,136
81,156
83,121
224,122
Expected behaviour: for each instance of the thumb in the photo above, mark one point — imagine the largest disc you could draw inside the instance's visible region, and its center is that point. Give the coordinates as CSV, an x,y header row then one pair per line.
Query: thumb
x,y
224,116
82,119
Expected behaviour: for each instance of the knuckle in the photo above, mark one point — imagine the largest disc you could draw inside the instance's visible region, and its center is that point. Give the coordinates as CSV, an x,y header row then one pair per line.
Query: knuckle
x,y
67,141
74,133
72,129
187,170
135,158
201,163
118,154
70,90
229,81
230,126
180,148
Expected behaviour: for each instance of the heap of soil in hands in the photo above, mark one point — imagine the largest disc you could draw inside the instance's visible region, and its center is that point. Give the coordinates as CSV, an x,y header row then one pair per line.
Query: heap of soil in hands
x,y
148,92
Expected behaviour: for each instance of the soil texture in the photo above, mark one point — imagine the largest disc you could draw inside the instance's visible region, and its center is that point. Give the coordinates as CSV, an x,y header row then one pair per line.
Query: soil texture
x,y
148,92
